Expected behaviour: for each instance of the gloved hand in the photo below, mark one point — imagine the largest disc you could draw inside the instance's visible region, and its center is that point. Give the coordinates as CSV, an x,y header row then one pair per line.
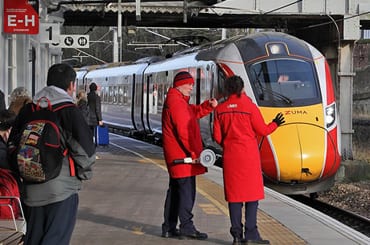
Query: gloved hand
x,y
279,119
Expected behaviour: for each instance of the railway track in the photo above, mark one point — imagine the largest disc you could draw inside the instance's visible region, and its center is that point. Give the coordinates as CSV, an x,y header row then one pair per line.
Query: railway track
x,y
355,221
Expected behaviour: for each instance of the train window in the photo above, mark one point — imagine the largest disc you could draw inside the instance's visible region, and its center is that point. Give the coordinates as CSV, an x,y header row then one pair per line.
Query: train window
x,y
220,85
104,94
125,94
120,95
111,94
284,81
114,92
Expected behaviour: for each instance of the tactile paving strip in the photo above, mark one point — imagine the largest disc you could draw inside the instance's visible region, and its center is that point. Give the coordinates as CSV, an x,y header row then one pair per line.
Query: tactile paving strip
x,y
269,228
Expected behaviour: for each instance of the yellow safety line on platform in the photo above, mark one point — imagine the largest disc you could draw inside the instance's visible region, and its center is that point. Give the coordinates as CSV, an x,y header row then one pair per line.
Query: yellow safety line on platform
x,y
160,163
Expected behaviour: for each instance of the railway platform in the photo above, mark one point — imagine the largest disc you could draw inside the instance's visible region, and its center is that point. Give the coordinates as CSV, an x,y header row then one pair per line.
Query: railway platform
x,y
123,204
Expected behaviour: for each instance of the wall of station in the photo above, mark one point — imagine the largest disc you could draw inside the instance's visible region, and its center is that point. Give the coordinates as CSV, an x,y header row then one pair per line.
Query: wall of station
x,y
24,60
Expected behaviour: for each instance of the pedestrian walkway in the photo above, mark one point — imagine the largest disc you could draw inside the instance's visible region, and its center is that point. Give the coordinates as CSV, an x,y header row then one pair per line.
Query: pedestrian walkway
x,y
123,204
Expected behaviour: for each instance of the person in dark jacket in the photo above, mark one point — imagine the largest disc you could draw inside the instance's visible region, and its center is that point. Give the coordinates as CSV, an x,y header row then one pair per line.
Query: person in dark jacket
x,y
182,138
95,116
237,122
6,122
51,207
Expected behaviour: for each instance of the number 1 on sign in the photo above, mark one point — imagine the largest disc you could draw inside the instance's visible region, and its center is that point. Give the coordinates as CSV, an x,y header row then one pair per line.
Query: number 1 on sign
x,y
50,30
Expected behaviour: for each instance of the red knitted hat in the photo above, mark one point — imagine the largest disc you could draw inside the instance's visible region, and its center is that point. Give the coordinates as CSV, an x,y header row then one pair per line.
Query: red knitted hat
x,y
182,78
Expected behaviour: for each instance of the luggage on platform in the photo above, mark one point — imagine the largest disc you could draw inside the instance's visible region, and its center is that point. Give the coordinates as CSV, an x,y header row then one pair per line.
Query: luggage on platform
x,y
102,135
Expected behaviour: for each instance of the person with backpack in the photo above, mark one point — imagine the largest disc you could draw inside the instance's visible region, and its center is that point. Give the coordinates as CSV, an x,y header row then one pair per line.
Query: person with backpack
x,y
51,205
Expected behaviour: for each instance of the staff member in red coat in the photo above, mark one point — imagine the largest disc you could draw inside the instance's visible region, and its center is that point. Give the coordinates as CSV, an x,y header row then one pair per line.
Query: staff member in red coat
x,y
237,122
181,139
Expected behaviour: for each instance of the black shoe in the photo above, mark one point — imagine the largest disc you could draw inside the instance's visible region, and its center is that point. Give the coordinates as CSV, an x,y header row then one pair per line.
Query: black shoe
x,y
253,242
196,235
238,241
171,234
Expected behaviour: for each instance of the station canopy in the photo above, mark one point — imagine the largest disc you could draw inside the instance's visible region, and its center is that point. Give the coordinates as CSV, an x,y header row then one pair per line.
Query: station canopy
x,y
188,13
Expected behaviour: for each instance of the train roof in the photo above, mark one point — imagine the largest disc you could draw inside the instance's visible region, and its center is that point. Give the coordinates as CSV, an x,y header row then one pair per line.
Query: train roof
x,y
175,63
117,71
254,46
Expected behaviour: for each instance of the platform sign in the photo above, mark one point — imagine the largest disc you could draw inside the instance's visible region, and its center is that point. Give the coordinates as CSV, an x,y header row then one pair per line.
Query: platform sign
x,y
49,32
20,17
72,41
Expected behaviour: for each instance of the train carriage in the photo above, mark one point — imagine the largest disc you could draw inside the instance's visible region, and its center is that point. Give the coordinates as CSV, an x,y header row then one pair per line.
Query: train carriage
x,y
119,89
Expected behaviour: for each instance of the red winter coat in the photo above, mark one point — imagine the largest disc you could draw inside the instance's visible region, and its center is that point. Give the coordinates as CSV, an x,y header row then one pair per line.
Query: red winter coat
x,y
237,122
181,133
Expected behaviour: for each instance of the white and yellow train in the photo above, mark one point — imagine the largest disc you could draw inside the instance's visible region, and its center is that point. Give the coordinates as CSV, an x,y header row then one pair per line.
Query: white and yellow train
x,y
281,73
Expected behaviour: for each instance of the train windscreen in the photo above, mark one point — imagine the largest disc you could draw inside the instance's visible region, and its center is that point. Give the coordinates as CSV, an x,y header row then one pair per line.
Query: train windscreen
x,y
284,82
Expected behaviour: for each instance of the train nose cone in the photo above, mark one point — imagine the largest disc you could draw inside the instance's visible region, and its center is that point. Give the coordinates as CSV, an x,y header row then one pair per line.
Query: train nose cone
x,y
299,153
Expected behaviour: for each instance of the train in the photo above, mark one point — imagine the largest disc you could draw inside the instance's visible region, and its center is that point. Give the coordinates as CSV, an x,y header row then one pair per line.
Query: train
x,y
282,73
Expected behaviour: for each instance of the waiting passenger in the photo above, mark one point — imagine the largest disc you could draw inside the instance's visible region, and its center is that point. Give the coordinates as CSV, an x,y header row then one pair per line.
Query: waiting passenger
x,y
237,122
95,115
7,118
51,207
82,104
18,98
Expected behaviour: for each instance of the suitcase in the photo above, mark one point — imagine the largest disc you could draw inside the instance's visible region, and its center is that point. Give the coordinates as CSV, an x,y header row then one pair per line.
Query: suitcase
x,y
102,135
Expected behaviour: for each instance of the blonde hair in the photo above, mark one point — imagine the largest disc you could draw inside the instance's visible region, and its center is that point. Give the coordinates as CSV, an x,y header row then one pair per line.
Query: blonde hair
x,y
18,92
81,94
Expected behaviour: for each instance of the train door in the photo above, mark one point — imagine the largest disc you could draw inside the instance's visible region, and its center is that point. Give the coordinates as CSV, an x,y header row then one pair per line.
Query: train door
x,y
204,88
129,99
155,98
217,77
147,103
138,98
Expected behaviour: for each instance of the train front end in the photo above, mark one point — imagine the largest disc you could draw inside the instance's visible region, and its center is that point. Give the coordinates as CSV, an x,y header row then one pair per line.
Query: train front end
x,y
285,74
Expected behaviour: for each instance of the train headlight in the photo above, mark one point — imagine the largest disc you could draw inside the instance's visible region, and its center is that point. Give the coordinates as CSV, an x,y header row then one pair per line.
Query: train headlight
x,y
277,49
330,115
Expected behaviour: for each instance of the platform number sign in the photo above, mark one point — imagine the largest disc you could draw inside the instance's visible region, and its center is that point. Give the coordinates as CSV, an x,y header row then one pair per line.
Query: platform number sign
x,y
72,41
49,32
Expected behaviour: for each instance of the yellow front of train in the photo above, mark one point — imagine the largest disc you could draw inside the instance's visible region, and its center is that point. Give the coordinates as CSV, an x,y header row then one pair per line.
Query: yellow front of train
x,y
302,155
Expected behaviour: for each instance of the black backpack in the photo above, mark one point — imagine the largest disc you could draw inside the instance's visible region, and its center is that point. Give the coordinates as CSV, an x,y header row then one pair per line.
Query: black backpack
x,y
40,152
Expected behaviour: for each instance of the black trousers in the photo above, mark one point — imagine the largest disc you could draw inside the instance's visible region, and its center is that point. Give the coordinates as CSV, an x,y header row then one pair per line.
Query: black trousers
x,y
94,133
51,224
179,204
251,230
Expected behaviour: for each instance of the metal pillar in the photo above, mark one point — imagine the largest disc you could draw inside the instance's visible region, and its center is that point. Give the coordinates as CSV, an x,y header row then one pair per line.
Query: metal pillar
x,y
119,31
345,76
